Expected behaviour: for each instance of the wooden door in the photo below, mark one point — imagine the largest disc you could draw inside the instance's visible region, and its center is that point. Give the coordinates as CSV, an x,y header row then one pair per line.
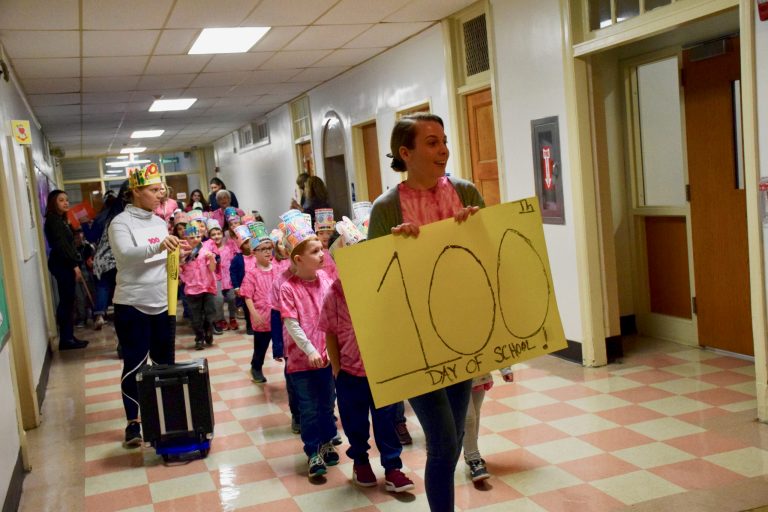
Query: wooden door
x,y
482,145
372,167
718,202
179,184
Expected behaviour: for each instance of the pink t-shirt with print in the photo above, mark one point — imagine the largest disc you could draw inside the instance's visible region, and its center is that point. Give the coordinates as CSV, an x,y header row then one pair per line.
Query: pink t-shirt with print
x,y
335,320
196,275
303,301
249,263
257,286
227,251
422,207
329,266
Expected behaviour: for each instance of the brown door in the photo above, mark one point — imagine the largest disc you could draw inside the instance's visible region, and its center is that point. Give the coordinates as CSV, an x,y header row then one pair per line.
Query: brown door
x,y
178,183
482,145
718,202
372,168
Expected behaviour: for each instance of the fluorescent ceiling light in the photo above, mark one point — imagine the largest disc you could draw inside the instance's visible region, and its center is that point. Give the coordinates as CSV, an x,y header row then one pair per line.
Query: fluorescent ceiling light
x,y
126,151
127,163
167,105
145,134
227,40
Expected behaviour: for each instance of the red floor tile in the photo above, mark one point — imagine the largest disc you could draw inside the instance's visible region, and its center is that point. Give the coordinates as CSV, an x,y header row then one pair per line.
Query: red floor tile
x,y
160,471
696,474
513,461
580,498
118,500
616,439
489,492
111,464
298,484
274,449
651,376
570,393
629,414
534,434
242,474
706,443
719,396
598,467
286,505
726,362
642,394
553,412
197,502
725,378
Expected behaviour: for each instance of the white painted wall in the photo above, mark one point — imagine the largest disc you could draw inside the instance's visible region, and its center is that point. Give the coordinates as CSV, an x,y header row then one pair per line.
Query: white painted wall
x,y
529,85
12,107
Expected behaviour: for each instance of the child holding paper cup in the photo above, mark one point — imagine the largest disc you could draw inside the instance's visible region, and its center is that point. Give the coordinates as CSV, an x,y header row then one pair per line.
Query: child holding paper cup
x,y
301,300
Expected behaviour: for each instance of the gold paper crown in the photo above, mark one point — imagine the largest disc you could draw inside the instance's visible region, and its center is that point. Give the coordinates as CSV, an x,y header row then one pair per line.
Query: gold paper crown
x,y
141,177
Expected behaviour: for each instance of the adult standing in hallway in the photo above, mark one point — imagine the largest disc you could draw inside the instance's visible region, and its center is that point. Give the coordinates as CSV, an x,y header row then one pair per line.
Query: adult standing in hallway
x,y
64,264
196,201
315,196
138,238
419,146
301,181
215,185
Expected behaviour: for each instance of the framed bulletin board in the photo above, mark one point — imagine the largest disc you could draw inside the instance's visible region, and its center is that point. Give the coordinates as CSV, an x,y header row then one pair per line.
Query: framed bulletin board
x,y
547,169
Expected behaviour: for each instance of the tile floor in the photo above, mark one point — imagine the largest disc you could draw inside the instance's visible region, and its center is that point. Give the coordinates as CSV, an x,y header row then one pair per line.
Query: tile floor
x,y
670,428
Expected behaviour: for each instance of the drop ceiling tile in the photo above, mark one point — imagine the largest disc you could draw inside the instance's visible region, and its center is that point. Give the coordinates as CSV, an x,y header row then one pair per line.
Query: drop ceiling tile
x,y
21,44
51,85
100,108
263,76
242,101
274,99
237,62
327,37
44,100
105,117
299,59
428,10
150,95
58,111
40,15
109,83
319,74
176,64
141,106
107,97
204,13
114,43
348,57
245,90
176,42
144,14
220,79
387,34
360,11
290,88
277,38
166,81
47,68
113,66
273,13
206,92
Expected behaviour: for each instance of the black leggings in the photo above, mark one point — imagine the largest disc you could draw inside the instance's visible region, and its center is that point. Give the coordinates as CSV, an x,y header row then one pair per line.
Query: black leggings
x,y
141,337
65,283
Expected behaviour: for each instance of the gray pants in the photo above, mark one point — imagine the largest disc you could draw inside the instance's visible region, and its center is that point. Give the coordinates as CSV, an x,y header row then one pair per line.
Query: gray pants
x,y
472,425
203,310
223,296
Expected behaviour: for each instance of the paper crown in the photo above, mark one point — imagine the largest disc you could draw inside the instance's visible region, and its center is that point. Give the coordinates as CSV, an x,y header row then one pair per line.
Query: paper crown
x,y
324,219
247,219
276,236
349,234
143,176
242,235
362,212
180,218
197,215
296,227
191,230
231,213
258,231
212,224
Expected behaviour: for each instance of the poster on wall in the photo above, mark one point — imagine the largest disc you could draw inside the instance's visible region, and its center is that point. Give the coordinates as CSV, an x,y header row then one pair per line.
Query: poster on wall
x,y
547,169
44,187
22,198
5,327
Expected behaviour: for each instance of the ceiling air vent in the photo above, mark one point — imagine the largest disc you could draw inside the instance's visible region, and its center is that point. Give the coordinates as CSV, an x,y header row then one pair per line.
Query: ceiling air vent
x,y
476,45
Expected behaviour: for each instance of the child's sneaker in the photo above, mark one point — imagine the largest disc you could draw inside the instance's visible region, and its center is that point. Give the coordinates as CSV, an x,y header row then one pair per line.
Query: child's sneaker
x,y
209,336
396,481
99,322
362,475
477,470
316,466
295,425
329,455
132,435
337,440
257,376
216,327
199,343
233,324
403,434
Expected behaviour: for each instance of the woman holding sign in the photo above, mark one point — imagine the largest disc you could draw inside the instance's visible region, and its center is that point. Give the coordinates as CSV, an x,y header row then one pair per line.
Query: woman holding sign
x,y
419,147
139,240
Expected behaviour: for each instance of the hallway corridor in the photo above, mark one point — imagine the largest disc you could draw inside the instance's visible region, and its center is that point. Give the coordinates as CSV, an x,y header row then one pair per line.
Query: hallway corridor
x,y
672,428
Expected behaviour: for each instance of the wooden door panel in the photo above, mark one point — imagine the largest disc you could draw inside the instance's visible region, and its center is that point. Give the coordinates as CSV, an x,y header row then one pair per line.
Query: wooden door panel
x,y
372,167
482,145
718,206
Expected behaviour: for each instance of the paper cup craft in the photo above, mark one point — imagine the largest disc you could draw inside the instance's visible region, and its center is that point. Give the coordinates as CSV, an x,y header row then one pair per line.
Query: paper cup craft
x,y
324,219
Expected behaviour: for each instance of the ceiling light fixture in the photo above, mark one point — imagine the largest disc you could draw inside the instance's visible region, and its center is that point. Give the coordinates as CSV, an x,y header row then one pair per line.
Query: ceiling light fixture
x,y
227,40
126,151
146,134
127,163
168,105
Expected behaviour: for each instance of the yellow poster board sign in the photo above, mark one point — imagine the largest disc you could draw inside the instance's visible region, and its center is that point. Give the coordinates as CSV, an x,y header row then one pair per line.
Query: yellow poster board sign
x,y
455,303
21,132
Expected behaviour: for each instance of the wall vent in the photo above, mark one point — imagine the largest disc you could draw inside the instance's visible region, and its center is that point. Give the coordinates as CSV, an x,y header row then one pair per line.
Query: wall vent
x,y
476,45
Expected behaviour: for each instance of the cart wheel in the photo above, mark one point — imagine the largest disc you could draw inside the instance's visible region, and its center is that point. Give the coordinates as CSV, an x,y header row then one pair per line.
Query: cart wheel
x,y
204,452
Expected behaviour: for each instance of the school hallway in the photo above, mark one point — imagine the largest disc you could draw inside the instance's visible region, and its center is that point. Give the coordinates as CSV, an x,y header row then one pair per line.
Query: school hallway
x,y
670,428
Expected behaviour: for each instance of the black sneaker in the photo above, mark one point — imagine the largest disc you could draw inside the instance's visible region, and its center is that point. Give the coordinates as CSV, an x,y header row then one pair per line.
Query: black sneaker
x,y
132,435
209,337
295,425
329,455
477,470
403,434
71,345
216,329
199,345
336,440
257,376
316,466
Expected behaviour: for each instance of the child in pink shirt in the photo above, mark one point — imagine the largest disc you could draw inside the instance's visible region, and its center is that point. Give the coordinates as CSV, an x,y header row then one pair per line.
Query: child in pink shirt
x,y
356,401
301,300
197,272
255,290
226,248
325,226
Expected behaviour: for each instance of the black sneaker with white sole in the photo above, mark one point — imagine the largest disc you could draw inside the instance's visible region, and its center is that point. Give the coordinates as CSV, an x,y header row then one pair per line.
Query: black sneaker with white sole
x,y
133,435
